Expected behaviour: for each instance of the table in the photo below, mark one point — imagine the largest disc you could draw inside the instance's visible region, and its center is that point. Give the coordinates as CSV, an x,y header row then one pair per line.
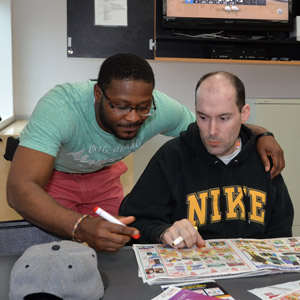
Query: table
x,y
124,283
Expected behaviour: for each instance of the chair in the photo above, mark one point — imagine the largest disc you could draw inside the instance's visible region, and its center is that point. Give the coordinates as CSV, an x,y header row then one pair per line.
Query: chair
x,y
17,235
11,147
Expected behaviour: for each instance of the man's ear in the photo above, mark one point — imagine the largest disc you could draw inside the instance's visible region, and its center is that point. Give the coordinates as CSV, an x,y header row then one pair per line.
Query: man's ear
x,y
97,93
245,113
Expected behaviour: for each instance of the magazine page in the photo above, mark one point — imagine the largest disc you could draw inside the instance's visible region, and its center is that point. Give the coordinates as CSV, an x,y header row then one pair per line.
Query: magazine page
x,y
290,296
174,293
160,264
278,290
282,254
207,287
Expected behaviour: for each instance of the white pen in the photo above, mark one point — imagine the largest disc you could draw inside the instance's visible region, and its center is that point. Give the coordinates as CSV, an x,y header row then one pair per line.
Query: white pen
x,y
180,239
177,241
108,217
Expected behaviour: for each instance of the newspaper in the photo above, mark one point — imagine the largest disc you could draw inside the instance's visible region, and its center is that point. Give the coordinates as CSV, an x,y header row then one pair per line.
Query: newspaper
x,y
203,287
288,291
160,264
175,293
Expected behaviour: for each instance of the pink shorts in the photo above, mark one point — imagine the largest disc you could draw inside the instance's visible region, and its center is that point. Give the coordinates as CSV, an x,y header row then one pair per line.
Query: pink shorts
x,y
82,192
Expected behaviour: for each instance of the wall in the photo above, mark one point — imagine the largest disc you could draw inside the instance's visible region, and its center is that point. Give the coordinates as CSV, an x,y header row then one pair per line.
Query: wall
x,y
40,61
6,88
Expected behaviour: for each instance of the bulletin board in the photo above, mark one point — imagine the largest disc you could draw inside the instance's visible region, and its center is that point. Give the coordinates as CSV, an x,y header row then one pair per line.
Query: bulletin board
x,y
99,28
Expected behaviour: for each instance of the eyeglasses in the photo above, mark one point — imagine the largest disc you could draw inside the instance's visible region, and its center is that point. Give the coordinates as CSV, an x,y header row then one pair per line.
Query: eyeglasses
x,y
124,110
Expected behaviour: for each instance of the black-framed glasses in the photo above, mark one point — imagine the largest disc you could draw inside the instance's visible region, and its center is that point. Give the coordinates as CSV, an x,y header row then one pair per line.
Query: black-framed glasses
x,y
142,111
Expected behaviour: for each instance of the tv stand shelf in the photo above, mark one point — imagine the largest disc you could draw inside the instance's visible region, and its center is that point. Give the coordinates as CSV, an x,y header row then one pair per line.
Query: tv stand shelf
x,y
207,49
226,61
186,34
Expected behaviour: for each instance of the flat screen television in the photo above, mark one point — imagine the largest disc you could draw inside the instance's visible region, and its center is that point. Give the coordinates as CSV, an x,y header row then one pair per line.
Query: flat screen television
x,y
246,15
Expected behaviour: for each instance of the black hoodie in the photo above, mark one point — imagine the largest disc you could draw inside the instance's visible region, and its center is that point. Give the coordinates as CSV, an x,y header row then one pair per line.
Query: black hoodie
x,y
183,180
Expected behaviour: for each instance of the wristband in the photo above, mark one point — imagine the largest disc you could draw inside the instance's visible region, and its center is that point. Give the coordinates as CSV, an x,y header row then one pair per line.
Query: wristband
x,y
76,226
264,134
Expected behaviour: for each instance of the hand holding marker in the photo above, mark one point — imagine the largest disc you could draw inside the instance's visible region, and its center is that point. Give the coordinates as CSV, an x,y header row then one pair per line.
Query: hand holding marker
x,y
108,217
180,239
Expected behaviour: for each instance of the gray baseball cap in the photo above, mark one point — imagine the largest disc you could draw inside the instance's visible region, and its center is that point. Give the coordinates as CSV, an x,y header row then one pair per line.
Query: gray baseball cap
x,y
64,269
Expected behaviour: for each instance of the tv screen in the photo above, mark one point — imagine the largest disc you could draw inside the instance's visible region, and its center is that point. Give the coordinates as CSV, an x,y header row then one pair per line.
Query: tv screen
x,y
200,13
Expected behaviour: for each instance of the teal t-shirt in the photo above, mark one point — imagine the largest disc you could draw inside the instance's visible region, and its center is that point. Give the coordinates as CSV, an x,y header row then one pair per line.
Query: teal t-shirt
x,y
64,125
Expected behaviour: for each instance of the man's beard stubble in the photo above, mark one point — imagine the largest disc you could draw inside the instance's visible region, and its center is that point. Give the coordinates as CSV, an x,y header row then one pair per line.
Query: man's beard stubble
x,y
106,124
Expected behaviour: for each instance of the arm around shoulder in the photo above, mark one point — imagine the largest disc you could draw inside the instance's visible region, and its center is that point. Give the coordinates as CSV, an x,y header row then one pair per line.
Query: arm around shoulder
x,y
267,146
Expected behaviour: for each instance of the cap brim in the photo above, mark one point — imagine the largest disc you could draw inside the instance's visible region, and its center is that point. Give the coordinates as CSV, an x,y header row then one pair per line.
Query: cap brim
x,y
105,279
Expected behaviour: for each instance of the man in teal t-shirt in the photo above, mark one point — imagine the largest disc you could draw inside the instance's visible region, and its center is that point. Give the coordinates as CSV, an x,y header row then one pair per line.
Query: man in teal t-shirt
x,y
72,135
69,157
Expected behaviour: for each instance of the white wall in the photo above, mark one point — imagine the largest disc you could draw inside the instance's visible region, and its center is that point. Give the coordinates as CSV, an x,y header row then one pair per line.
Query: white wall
x,y
40,61
6,88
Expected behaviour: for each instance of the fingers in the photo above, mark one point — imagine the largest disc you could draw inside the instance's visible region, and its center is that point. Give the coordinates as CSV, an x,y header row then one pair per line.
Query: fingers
x,y
182,234
173,236
117,233
191,237
127,229
265,160
268,147
169,236
200,242
126,220
278,164
109,235
106,236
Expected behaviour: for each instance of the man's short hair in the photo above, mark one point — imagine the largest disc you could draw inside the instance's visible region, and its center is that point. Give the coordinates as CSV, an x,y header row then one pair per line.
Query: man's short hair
x,y
124,66
236,83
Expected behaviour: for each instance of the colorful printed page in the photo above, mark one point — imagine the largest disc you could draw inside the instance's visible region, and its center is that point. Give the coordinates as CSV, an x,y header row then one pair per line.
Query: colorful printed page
x,y
174,293
207,288
281,254
290,296
277,291
160,264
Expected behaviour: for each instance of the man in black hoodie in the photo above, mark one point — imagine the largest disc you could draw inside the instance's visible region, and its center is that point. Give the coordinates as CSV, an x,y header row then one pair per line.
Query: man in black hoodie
x,y
210,178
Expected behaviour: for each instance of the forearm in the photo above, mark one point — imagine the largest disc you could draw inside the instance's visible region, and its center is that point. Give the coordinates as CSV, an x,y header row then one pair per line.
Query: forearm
x,y
256,129
37,207
29,172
